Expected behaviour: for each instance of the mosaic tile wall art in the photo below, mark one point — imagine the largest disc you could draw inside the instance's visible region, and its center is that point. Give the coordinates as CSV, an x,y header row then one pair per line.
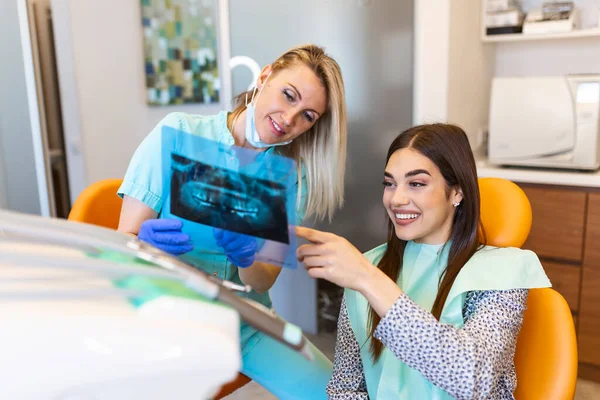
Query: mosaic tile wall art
x,y
181,51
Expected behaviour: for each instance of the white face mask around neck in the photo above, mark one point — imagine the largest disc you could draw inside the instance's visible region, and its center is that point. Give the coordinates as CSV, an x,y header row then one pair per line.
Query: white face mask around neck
x,y
252,135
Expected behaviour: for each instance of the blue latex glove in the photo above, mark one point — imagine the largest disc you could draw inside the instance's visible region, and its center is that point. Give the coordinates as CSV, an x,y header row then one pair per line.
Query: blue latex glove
x,y
240,249
166,234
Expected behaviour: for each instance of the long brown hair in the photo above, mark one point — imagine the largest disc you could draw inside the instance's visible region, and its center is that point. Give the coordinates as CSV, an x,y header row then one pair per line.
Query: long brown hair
x,y
447,146
322,149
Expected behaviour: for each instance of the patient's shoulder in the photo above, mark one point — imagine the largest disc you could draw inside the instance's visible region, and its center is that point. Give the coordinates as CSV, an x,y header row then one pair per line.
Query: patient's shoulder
x,y
491,253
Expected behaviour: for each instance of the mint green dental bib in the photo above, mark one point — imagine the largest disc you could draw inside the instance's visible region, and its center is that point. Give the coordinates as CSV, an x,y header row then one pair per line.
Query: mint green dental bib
x,y
490,268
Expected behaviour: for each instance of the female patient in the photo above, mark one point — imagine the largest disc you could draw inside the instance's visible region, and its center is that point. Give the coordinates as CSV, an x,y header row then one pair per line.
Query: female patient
x,y
431,314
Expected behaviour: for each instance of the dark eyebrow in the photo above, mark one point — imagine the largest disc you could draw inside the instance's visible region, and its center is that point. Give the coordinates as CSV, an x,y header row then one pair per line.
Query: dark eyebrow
x,y
388,175
300,98
416,172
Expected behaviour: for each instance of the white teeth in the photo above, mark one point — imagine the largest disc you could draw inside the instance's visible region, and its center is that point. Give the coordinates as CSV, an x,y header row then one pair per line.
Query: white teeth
x,y
407,216
276,126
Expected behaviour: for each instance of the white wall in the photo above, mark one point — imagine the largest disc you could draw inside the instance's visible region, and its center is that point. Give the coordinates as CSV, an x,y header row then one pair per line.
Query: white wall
x,y
470,70
431,51
452,66
552,57
101,46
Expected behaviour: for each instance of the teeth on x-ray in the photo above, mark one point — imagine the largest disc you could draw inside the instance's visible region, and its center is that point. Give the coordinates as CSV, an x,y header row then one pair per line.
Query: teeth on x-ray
x,y
211,197
228,199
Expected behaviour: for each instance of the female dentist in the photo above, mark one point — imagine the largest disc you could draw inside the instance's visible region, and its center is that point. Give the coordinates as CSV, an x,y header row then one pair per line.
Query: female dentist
x,y
299,111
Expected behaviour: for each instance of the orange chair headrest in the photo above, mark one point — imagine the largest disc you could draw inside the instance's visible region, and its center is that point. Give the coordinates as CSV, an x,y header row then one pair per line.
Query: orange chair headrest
x,y
505,212
98,204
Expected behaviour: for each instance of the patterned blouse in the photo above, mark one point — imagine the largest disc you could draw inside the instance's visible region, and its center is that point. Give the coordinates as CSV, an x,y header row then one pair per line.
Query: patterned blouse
x,y
479,356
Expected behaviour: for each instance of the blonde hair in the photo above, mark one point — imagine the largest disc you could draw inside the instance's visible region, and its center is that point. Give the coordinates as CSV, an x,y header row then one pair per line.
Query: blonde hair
x,y
322,149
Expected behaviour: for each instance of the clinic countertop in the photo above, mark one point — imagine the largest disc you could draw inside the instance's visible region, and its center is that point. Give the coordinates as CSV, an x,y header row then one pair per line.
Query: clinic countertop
x,y
539,176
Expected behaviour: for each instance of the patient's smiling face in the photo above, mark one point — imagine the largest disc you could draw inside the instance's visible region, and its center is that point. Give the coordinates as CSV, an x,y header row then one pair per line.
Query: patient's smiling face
x,y
417,198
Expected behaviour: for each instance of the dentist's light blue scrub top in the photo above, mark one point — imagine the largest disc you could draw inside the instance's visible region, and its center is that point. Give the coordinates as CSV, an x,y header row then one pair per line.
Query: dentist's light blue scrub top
x,y
143,181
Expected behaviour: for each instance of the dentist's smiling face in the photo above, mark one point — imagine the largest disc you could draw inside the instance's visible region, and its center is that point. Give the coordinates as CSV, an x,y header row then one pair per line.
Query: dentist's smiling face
x,y
291,101
418,199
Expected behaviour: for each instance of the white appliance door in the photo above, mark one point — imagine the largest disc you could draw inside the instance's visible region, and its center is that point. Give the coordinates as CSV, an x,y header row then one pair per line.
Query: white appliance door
x,y
531,117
